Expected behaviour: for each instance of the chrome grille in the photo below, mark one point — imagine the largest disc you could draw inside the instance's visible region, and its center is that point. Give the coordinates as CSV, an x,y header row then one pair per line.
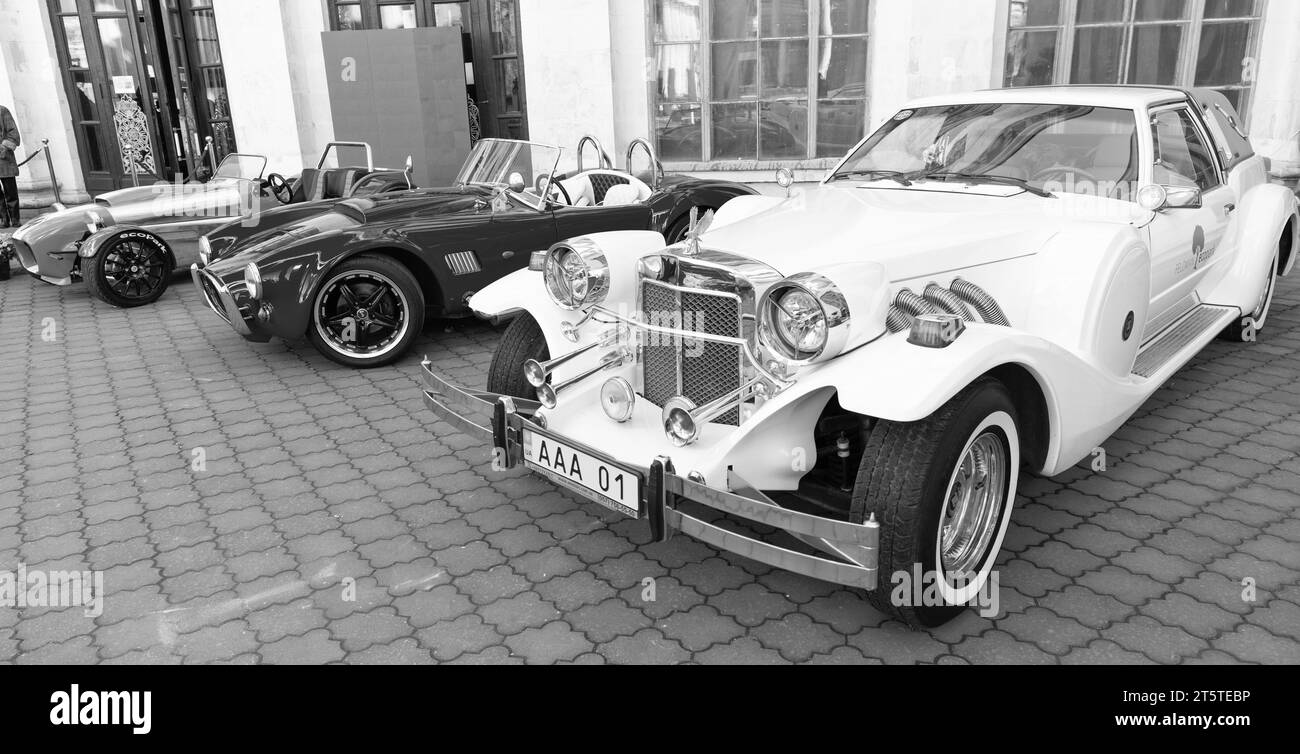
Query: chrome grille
x,y
678,365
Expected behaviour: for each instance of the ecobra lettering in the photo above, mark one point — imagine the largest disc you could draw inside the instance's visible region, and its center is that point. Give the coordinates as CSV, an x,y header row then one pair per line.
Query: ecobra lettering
x,y
76,707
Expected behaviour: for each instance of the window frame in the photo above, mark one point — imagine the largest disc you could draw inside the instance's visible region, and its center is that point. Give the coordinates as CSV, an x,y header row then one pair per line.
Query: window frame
x,y
1202,131
1193,25
705,42
370,12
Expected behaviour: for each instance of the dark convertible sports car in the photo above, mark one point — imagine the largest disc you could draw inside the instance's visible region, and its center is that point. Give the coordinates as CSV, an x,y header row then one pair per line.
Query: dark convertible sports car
x,y
126,243
360,279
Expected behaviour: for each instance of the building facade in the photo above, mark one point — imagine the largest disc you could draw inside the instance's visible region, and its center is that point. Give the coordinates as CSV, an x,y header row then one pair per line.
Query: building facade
x,y
136,90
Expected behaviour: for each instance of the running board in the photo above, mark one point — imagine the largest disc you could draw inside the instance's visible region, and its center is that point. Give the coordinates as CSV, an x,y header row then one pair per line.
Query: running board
x,y
1183,339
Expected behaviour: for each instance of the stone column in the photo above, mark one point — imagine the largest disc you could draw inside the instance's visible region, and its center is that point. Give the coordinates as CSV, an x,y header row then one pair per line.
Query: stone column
x,y
31,86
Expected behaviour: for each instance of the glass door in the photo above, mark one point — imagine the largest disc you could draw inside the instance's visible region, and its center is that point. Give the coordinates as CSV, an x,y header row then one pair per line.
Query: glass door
x,y
499,69
106,78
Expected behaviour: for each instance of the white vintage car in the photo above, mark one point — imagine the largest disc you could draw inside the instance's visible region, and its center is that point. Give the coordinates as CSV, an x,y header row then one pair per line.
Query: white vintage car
x,y
846,383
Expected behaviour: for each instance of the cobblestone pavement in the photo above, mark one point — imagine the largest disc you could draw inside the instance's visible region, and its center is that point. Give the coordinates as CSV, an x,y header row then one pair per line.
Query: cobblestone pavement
x,y
315,475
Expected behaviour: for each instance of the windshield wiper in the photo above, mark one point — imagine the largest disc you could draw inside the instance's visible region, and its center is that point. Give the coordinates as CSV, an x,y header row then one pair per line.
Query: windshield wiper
x,y
1004,180
893,175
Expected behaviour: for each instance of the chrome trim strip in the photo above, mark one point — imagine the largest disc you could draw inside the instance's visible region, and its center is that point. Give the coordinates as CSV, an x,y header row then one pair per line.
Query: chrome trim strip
x,y
771,514
448,400
778,557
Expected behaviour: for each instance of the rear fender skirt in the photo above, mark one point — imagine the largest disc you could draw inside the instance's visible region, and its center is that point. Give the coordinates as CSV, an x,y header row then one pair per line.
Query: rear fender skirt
x,y
1262,218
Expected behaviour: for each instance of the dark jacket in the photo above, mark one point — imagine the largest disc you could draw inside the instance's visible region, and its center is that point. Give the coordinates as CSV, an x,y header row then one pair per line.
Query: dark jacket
x,y
9,141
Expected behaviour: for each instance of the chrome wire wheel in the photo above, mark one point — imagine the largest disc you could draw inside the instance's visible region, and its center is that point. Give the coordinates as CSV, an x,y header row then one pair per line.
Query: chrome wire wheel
x,y
134,270
974,506
362,314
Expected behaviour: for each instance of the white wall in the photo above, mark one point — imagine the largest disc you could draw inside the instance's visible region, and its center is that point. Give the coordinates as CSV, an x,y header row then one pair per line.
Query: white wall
x,y
568,72
631,68
31,86
1275,114
304,21
257,63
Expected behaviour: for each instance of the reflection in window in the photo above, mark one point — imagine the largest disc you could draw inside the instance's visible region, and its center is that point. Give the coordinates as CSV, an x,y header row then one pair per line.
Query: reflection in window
x,y
397,16
76,42
1135,42
205,37
449,14
348,17
768,62
503,27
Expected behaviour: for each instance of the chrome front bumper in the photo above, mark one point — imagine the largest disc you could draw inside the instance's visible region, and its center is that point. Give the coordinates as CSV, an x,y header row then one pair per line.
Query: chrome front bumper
x,y
219,299
502,419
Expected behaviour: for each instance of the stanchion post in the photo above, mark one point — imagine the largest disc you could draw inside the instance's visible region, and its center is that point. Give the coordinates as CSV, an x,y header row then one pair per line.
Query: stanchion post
x,y
54,179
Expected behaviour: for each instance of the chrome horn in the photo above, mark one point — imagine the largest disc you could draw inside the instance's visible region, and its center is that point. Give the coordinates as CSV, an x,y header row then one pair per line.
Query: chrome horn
x,y
682,419
548,395
538,372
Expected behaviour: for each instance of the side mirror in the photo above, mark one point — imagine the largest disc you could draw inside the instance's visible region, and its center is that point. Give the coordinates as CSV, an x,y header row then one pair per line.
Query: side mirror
x,y
1156,198
516,183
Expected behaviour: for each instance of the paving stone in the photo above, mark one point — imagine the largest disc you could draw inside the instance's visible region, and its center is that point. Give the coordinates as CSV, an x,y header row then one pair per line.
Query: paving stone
x,y
336,521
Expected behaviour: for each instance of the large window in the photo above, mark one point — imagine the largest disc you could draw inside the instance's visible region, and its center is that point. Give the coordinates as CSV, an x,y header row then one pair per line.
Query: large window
x,y
759,79
1210,43
355,15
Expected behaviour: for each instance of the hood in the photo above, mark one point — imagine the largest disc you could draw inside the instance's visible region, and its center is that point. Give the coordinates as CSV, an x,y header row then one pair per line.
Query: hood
x,y
414,205
911,232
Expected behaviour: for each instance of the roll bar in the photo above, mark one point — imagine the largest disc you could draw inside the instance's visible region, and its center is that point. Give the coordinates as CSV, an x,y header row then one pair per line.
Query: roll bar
x,y
370,156
656,167
605,162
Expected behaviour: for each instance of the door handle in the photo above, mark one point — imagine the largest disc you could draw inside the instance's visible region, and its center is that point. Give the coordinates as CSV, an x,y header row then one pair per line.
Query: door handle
x,y
1228,209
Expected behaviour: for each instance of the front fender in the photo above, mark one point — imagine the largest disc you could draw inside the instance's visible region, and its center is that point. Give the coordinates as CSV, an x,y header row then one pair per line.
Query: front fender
x,y
1264,214
96,241
291,275
525,291
894,380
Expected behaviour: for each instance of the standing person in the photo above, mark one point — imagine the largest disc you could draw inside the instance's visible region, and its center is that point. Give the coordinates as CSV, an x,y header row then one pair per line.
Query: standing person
x,y
9,141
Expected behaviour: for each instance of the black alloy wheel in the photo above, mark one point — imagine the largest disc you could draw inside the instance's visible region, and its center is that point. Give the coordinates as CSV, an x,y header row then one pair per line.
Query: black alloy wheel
x,y
367,313
131,270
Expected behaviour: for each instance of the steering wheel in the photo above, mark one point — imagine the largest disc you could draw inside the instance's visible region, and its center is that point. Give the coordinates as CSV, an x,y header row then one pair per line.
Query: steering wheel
x,y
1062,172
546,186
280,188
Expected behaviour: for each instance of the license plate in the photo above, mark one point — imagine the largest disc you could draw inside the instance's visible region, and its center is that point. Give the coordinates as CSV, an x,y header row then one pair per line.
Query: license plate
x,y
612,486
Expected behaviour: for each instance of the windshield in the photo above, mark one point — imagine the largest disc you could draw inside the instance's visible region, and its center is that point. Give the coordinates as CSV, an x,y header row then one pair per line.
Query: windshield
x,y
247,167
1052,148
499,163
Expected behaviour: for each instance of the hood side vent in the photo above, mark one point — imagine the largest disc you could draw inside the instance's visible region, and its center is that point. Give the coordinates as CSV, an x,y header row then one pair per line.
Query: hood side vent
x,y
464,263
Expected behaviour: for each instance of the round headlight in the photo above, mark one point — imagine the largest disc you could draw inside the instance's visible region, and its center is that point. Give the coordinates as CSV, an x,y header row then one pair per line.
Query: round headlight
x,y
205,250
576,274
253,280
804,319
